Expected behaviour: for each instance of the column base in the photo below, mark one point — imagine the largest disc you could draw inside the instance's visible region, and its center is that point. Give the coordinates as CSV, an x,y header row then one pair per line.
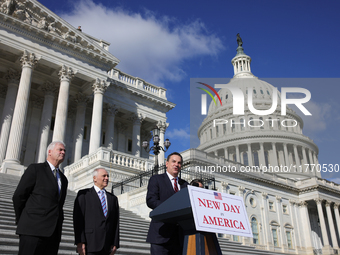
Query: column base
x,y
12,167
327,250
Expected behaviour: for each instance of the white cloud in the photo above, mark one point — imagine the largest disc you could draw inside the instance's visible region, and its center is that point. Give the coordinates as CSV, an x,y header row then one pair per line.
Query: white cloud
x,y
178,134
149,47
321,113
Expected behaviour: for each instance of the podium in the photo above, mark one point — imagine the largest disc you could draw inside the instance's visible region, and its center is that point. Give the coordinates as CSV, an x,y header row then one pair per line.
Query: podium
x,y
177,210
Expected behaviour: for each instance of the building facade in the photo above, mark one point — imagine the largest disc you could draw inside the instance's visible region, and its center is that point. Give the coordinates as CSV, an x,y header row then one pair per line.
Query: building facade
x,y
58,83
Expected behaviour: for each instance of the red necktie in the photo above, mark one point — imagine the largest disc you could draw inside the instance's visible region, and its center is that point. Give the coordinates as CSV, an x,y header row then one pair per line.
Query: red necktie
x,y
175,185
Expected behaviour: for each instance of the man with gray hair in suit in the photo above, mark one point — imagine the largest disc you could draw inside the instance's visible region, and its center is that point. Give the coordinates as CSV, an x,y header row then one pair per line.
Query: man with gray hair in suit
x,y
38,204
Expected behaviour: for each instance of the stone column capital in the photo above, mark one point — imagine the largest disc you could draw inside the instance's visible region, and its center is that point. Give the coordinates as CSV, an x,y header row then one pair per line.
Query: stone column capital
x,y
12,76
225,184
318,200
66,73
81,98
303,204
292,202
241,188
137,118
162,125
49,88
100,86
336,205
111,109
28,59
328,203
264,195
278,198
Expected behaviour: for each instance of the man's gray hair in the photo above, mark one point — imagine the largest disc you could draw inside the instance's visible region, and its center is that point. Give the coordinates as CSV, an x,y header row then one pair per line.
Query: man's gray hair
x,y
95,171
52,144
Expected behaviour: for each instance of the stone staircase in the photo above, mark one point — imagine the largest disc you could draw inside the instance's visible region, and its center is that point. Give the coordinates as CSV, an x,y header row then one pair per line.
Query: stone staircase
x,y
133,229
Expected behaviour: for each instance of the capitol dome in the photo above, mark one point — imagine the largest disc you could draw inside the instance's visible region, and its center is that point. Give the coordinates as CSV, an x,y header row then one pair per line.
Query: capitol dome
x,y
271,140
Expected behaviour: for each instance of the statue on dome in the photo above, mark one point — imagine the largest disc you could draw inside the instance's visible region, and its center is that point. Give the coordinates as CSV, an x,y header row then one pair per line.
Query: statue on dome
x,y
239,40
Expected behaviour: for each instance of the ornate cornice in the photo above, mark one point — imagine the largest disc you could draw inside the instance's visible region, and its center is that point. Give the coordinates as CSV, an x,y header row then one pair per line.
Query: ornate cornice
x,y
36,21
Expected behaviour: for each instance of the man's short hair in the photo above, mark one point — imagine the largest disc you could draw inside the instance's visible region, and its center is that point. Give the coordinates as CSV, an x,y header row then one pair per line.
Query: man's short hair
x,y
174,153
95,171
196,182
52,145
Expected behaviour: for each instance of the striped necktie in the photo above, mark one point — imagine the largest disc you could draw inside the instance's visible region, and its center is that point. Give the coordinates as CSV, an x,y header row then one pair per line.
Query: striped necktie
x,y
175,185
103,201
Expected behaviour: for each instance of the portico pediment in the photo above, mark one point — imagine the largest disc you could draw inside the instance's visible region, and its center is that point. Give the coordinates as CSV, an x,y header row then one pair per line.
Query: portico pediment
x,y
36,19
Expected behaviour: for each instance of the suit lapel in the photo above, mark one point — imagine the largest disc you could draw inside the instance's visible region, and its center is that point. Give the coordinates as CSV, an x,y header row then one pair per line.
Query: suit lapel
x,y
50,175
168,183
96,201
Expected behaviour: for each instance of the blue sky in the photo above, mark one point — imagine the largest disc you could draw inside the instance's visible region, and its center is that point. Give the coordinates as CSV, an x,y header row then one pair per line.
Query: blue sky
x,y
168,42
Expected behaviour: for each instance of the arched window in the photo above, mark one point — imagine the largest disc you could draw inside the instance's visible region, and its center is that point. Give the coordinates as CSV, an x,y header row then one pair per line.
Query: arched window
x,y
270,123
261,123
251,123
255,230
242,124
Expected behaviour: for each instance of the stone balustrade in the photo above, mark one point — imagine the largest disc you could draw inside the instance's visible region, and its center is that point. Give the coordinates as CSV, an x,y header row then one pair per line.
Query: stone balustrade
x,y
137,83
108,157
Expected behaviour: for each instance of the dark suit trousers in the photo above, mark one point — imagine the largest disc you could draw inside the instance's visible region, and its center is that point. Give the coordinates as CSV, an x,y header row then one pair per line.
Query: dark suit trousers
x,y
38,245
169,248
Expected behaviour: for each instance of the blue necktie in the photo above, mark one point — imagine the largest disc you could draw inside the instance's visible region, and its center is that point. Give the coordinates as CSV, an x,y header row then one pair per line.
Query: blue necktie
x,y
103,201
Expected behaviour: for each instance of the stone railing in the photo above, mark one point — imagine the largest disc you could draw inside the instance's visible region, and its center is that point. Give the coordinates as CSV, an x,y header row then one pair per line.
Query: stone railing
x,y
110,158
137,83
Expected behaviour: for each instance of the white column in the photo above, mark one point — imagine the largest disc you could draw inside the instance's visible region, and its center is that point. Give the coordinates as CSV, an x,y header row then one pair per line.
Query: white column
x,y
99,88
261,156
49,90
12,78
162,127
311,160
295,219
304,161
20,111
285,149
65,74
280,221
274,155
111,111
337,217
331,225
137,122
33,131
265,221
322,223
296,156
226,153
306,226
78,132
250,155
237,153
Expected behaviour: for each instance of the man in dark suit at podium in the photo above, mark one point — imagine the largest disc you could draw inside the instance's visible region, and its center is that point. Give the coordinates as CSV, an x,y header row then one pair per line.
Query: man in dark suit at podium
x,y
165,238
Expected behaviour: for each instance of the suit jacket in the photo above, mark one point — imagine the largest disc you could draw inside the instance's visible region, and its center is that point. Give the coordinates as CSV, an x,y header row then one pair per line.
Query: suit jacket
x,y
160,189
91,226
37,204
